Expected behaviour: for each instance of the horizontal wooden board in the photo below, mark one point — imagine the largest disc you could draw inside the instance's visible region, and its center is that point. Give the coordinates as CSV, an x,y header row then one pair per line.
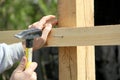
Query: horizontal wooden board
x,y
99,35
8,36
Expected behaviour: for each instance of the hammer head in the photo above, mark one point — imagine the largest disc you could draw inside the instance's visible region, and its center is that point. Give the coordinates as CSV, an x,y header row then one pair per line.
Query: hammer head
x,y
29,34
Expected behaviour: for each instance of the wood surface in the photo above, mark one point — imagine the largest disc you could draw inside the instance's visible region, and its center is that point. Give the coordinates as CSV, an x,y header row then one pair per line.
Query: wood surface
x,y
76,63
98,35
80,36
8,36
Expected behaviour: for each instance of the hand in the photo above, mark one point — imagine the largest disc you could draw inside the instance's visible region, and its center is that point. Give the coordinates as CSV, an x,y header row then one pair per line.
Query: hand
x,y
20,73
45,24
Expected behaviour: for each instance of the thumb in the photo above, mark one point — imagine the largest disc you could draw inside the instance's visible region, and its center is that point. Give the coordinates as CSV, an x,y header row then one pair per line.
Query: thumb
x,y
22,64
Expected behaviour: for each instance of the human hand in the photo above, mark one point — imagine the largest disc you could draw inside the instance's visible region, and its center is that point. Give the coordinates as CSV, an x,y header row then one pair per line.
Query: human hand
x,y
45,24
20,73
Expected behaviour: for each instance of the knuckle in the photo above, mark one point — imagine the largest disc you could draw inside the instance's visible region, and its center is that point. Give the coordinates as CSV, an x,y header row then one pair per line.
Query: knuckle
x,y
44,17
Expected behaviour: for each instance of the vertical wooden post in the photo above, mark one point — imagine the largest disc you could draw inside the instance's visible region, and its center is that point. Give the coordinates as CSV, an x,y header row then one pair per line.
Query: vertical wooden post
x,y
76,63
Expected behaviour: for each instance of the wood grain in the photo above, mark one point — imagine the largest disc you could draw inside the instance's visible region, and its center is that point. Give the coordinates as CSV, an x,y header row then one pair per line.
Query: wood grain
x,y
99,35
80,36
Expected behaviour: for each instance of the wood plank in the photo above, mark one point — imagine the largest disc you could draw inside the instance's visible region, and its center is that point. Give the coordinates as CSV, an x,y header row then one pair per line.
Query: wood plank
x,y
102,35
98,35
76,63
67,55
8,36
85,54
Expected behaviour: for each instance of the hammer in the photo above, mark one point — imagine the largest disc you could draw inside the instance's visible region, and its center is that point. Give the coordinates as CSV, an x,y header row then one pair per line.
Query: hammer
x,y
28,36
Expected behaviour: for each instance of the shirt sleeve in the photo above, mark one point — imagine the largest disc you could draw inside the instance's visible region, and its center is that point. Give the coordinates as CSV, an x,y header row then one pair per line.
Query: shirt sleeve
x,y
9,54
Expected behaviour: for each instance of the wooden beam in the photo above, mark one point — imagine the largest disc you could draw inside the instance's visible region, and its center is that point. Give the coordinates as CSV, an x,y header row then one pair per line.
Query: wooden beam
x,y
86,36
8,36
76,63
80,36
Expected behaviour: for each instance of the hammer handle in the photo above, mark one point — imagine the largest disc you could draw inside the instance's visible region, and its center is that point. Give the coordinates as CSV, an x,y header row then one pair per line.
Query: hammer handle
x,y
29,56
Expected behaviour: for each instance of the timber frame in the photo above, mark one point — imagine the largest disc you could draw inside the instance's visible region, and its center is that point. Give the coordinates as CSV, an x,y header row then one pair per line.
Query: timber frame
x,y
76,37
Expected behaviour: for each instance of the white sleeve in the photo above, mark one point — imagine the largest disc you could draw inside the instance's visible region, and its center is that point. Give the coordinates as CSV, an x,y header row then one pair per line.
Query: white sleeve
x,y
9,54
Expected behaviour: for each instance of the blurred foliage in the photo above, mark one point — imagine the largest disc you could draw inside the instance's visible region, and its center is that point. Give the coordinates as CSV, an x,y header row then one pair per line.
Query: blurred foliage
x,y
19,14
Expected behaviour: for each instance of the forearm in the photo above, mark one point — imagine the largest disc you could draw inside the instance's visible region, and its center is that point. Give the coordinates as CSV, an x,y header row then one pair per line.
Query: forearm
x,y
10,54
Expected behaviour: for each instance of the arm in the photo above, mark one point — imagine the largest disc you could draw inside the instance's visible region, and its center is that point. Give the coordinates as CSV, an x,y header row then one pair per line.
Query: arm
x,y
9,54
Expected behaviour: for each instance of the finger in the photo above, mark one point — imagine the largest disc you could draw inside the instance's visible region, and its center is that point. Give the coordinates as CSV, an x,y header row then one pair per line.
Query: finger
x,y
34,76
31,68
52,21
40,24
22,64
49,18
40,41
46,31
